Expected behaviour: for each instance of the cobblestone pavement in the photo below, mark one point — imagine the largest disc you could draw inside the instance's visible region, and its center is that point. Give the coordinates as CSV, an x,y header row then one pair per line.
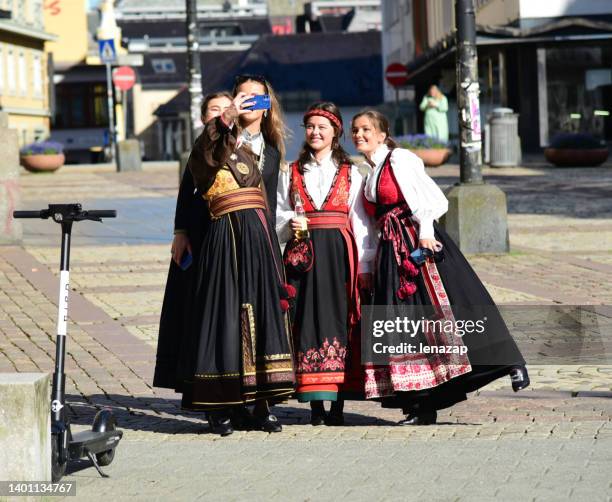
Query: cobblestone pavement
x,y
550,442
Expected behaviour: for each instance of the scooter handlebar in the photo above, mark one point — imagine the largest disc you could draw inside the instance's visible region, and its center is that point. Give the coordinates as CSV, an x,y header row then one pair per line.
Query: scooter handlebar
x,y
41,213
102,213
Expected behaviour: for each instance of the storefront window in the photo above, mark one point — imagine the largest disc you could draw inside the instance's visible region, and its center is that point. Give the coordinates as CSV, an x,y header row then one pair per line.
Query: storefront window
x,y
81,105
579,90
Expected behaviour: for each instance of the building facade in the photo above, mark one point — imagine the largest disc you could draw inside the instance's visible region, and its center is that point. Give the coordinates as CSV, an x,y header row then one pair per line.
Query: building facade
x,y
525,50
155,30
24,86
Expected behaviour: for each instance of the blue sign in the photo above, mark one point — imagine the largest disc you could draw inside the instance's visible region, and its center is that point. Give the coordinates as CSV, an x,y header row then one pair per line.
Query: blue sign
x,y
107,50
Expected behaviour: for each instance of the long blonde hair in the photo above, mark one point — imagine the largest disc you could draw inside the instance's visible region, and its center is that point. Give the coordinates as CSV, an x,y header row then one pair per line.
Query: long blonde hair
x,y
273,125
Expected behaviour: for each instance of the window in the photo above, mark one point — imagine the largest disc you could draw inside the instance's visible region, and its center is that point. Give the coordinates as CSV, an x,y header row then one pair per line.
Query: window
x,y
36,17
23,80
10,71
1,68
163,65
20,14
81,105
37,76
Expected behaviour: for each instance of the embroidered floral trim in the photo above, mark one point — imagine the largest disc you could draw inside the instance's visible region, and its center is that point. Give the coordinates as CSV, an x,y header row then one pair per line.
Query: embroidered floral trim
x,y
329,357
342,194
300,253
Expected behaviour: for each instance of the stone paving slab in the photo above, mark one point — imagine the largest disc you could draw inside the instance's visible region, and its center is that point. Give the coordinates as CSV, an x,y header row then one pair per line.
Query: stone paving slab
x,y
307,468
550,442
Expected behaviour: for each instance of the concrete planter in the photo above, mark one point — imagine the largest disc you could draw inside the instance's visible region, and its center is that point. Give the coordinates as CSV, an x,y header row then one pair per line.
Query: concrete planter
x,y
43,162
569,157
432,157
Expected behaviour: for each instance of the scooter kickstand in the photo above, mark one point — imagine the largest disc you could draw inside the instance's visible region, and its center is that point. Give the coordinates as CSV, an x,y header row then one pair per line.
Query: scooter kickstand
x,y
94,461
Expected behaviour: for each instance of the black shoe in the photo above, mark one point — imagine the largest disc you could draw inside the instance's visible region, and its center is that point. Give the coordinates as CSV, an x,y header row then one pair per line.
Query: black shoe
x,y
335,417
317,413
269,423
520,378
243,419
423,418
220,424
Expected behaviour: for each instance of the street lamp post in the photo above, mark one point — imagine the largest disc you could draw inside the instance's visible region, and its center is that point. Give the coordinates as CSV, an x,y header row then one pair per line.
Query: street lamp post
x,y
468,104
194,69
112,138
477,217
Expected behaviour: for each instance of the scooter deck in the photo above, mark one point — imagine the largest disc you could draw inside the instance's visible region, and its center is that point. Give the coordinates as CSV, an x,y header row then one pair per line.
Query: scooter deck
x,y
94,442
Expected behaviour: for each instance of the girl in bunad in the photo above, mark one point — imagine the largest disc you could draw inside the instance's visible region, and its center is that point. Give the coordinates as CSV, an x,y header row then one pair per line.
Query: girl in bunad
x,y
406,201
240,351
190,220
326,309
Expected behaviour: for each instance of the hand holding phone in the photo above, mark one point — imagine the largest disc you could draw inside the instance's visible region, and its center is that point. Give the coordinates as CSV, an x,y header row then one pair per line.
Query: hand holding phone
x,y
420,255
259,102
186,260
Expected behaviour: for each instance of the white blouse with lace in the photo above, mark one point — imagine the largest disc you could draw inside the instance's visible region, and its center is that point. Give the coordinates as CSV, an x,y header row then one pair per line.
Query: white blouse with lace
x,y
422,194
318,177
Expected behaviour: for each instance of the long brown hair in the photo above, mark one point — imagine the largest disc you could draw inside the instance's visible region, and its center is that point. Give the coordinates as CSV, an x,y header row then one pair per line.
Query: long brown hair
x,y
380,122
338,153
273,125
213,95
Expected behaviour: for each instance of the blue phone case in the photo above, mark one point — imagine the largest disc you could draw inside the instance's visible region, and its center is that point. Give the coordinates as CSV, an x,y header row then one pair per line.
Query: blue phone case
x,y
186,261
419,255
260,102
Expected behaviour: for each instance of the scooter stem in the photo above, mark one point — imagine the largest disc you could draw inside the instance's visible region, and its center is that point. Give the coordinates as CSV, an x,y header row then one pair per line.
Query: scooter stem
x,y
58,412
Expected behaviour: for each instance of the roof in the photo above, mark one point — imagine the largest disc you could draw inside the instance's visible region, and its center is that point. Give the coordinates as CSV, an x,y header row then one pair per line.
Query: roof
x,y
345,68
171,28
215,64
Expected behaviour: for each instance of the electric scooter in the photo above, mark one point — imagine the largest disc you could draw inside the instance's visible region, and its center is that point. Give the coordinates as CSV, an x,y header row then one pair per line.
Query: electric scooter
x,y
99,443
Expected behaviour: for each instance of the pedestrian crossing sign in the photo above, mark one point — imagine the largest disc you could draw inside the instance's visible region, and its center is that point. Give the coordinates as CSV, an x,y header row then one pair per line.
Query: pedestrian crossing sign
x,y
107,50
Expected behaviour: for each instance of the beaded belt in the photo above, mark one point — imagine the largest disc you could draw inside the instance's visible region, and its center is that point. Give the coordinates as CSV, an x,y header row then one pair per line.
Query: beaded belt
x,y
236,200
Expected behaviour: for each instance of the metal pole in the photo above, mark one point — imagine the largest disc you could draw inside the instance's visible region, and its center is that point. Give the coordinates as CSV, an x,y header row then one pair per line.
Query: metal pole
x,y
398,129
194,70
468,104
125,113
111,113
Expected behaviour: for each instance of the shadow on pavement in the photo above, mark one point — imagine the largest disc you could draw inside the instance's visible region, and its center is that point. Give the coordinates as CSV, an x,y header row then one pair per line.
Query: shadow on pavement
x,y
166,416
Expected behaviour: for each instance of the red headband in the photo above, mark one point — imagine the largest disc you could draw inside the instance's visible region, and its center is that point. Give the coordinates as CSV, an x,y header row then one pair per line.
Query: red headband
x,y
322,113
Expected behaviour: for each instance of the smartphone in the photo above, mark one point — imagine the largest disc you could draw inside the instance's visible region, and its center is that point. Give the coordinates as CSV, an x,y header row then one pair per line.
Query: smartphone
x,y
260,102
186,260
419,255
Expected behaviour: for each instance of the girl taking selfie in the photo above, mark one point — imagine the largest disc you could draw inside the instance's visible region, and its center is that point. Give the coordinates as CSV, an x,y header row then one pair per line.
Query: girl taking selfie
x,y
239,351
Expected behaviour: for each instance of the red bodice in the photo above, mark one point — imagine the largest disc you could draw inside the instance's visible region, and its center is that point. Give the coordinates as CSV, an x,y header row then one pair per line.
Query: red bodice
x,y
388,191
337,197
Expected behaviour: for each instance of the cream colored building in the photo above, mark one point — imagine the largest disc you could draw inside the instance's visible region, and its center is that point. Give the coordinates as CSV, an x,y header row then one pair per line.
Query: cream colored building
x,y
24,82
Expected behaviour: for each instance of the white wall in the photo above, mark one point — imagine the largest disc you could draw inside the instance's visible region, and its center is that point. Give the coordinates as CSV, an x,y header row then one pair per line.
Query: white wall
x,y
554,8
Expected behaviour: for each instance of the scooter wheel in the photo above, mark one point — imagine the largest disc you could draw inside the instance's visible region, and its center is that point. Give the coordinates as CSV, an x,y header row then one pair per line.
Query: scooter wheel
x,y
105,458
58,469
105,421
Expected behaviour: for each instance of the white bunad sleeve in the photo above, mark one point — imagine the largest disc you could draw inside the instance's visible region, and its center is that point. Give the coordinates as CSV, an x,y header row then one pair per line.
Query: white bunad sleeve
x,y
424,197
284,208
363,224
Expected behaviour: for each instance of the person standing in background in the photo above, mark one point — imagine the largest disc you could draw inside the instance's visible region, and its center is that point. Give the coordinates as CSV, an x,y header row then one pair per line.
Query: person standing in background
x,y
435,106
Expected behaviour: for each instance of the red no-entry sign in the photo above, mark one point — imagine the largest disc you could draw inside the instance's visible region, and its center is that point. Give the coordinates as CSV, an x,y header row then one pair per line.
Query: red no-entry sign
x,y
124,78
396,74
